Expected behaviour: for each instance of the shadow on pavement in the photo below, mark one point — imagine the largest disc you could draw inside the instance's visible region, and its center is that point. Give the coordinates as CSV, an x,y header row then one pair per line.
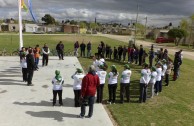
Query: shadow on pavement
x,y
56,115
12,83
67,102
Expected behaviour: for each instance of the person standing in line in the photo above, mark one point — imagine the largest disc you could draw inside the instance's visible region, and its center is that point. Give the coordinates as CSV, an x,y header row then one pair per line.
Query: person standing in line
x,y
89,48
30,66
140,55
153,80
23,50
144,80
78,76
125,83
57,82
112,84
88,90
135,55
36,55
158,77
82,48
102,76
120,52
99,50
107,51
151,57
144,56
124,52
76,46
45,51
168,72
110,53
115,53
24,67
60,50
128,54
164,68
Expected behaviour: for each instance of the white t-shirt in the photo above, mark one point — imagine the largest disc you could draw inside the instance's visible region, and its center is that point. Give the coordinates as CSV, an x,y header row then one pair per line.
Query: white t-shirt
x,y
153,77
96,64
164,69
77,81
23,63
102,76
112,78
145,78
57,85
159,74
125,76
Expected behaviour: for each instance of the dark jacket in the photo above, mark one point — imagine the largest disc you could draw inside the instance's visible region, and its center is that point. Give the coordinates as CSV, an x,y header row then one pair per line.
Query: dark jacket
x,y
89,46
60,47
82,46
30,62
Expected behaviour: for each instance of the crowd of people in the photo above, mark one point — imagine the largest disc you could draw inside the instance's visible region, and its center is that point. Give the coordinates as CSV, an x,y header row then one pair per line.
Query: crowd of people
x,y
85,86
29,59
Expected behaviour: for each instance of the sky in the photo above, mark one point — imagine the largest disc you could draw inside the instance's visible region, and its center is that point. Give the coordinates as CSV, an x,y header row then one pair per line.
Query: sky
x,y
158,12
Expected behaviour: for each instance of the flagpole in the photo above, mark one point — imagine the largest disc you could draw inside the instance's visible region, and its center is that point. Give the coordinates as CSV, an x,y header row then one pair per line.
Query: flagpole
x,y
20,24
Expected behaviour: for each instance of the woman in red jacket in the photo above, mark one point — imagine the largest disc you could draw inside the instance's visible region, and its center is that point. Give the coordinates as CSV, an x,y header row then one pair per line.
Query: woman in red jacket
x,y
89,85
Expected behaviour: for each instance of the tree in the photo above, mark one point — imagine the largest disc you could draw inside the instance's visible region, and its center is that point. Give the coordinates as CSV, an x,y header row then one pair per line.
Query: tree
x,y
82,24
184,24
48,19
178,34
140,29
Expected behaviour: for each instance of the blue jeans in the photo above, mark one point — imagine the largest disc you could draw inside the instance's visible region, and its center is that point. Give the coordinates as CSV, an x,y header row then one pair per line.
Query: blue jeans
x,y
90,104
37,61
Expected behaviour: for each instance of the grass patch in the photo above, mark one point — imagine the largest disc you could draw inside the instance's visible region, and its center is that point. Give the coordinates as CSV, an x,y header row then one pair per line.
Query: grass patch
x,y
173,107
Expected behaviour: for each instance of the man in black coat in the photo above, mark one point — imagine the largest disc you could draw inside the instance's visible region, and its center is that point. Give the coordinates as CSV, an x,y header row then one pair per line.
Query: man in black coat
x,y
30,66
140,55
60,50
82,48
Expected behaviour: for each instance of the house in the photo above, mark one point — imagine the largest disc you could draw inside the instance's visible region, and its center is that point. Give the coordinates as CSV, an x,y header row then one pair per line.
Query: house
x,y
13,27
70,28
31,28
4,27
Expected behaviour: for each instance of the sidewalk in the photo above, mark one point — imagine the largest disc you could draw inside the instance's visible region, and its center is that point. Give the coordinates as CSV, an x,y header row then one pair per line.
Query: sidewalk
x,y
23,105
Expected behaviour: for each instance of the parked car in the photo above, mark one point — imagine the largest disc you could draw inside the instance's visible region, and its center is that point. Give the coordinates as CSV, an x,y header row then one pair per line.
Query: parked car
x,y
39,32
164,40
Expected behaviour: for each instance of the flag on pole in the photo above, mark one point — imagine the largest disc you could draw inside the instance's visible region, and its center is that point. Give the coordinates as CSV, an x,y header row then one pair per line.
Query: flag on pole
x,y
31,12
23,5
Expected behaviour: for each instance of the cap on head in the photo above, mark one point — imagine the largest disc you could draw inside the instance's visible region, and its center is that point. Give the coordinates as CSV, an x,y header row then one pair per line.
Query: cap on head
x,y
126,66
164,61
57,72
79,70
113,67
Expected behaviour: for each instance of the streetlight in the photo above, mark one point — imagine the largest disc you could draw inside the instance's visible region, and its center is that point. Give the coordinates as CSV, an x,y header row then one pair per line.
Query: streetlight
x,y
136,21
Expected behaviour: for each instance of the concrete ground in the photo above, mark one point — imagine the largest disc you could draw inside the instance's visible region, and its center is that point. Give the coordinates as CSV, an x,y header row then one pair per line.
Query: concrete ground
x,y
23,105
171,50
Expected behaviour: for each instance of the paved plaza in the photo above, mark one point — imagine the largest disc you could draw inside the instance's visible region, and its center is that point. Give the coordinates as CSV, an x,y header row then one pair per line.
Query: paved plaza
x,y
23,105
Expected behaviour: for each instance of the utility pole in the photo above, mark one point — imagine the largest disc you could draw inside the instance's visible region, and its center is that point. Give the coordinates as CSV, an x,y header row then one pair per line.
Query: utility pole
x,y
136,22
146,26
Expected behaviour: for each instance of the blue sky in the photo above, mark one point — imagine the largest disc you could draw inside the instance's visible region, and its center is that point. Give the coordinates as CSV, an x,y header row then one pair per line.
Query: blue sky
x,y
159,12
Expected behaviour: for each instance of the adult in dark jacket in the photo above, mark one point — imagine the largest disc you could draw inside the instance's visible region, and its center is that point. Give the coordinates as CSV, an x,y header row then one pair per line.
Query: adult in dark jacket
x,y
30,66
89,85
140,55
89,48
60,50
82,48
